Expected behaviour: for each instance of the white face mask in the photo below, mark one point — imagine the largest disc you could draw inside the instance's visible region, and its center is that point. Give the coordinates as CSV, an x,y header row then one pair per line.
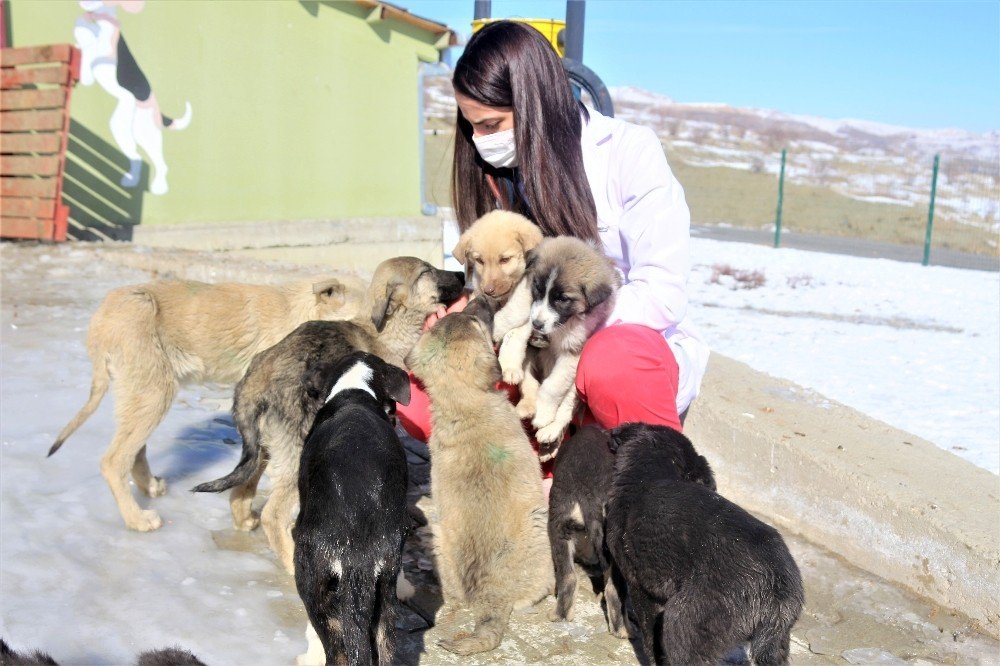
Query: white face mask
x,y
497,148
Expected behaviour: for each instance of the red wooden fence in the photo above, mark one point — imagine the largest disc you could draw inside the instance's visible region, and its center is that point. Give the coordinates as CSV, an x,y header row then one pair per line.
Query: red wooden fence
x,y
37,83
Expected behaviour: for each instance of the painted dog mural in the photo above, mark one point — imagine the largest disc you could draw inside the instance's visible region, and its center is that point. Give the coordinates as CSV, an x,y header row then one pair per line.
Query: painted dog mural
x,y
137,121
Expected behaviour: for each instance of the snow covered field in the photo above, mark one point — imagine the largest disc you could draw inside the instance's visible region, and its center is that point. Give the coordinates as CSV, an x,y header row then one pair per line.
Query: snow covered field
x,y
916,347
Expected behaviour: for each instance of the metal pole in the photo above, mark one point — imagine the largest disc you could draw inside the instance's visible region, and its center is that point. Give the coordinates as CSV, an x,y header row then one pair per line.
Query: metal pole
x,y
573,39
481,9
930,212
781,197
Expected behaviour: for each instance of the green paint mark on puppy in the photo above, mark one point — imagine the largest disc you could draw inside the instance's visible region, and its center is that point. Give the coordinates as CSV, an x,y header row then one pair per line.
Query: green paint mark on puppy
x,y
497,454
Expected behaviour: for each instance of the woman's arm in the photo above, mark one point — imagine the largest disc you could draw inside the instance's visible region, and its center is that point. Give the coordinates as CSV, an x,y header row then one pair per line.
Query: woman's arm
x,y
654,228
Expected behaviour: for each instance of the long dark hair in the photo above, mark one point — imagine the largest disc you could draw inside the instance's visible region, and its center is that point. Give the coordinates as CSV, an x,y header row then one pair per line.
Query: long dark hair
x,y
508,64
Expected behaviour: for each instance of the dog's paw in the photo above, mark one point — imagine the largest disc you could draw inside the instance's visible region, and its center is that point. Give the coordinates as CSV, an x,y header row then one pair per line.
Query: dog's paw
x,y
513,375
157,487
404,589
148,522
525,408
556,616
545,414
547,450
464,644
619,632
247,524
549,434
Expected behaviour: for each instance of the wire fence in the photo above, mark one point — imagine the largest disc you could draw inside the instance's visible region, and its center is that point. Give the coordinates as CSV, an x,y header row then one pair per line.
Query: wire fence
x,y
880,204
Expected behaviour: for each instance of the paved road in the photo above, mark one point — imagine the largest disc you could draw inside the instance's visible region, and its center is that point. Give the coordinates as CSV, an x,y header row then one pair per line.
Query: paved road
x,y
851,246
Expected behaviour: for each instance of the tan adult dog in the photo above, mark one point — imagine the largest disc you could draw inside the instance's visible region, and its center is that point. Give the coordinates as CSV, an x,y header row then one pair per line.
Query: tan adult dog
x,y
154,337
275,403
494,249
490,539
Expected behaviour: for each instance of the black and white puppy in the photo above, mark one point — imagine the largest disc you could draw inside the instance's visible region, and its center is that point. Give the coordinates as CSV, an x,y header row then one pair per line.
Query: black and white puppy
x,y
566,294
582,477
703,575
352,520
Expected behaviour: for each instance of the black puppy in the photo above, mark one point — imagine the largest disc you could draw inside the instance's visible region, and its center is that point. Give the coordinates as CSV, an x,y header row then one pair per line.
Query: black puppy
x,y
581,485
352,520
703,575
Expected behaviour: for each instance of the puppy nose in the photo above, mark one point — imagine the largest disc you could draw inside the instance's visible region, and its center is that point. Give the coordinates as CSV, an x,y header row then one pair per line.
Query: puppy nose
x,y
490,290
537,325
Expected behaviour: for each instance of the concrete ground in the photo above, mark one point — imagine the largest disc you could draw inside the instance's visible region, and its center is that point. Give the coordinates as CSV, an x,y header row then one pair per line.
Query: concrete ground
x,y
851,616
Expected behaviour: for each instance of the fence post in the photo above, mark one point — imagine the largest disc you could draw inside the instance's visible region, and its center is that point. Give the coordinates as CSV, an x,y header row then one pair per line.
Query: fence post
x,y
930,212
781,196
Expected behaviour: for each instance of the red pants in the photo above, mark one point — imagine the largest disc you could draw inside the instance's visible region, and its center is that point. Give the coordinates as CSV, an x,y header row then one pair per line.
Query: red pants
x,y
627,373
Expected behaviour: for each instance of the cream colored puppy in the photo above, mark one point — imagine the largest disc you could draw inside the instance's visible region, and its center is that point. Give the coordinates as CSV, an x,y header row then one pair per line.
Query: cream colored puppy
x,y
494,249
152,338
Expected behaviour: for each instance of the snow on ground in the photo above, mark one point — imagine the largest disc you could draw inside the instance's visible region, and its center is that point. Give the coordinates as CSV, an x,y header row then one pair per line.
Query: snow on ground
x,y
916,347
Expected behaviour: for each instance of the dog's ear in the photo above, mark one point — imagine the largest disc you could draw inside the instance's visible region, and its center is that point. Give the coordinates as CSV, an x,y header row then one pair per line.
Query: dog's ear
x,y
482,307
397,383
386,305
700,471
330,291
530,259
462,248
315,379
596,294
613,442
528,234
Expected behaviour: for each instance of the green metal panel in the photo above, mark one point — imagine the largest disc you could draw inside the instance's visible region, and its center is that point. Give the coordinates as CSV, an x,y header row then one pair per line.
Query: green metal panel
x,y
781,199
930,212
301,110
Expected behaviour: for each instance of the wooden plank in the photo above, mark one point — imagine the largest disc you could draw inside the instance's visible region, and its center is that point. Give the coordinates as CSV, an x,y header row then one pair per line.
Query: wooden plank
x,y
13,77
26,227
17,165
19,207
28,142
53,98
44,188
20,121
31,55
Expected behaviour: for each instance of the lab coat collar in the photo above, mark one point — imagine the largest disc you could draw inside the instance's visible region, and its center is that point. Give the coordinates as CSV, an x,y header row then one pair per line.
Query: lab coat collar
x,y
597,130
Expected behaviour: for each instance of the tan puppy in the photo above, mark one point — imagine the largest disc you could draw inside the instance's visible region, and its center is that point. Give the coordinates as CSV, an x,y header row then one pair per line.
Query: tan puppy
x,y
494,249
490,540
154,337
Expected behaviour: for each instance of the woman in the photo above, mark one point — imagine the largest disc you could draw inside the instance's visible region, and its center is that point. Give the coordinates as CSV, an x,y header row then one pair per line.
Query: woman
x,y
524,143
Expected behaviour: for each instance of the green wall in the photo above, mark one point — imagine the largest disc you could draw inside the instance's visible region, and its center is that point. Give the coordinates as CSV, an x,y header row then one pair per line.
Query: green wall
x,y
301,110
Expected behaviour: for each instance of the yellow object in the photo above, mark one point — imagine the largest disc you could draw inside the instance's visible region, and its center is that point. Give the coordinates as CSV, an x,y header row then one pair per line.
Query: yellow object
x,y
552,29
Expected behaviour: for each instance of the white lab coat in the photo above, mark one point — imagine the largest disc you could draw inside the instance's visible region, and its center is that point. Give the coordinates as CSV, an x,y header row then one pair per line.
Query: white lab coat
x,y
644,223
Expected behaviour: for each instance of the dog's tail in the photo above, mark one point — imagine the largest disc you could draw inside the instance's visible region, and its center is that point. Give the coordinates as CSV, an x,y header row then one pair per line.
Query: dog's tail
x,y
98,387
250,460
359,619
178,123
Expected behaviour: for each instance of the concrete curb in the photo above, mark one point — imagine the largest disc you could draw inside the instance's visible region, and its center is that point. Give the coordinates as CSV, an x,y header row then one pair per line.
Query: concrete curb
x,y
885,500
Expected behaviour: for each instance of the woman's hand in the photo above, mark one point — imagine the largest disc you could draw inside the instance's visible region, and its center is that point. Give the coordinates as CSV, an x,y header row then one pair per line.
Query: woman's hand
x,y
457,306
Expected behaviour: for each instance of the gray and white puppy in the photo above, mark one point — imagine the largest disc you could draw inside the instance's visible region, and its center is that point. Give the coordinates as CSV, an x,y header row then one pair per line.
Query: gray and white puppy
x,y
566,294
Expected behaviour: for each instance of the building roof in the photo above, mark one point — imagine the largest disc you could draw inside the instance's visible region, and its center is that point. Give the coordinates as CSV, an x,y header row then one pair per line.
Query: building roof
x,y
383,10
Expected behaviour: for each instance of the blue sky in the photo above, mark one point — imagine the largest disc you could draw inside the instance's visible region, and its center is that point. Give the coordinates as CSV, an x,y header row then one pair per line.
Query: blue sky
x,y
918,64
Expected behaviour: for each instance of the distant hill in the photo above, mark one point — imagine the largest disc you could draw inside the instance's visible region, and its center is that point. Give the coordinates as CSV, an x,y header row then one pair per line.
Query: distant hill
x,y
859,160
